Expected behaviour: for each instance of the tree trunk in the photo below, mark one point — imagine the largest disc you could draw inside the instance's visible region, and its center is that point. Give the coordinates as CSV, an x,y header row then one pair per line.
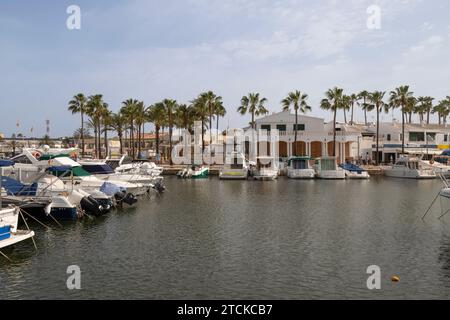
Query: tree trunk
x,y
353,104
157,138
106,143
345,116
121,143
295,132
365,112
378,135
210,126
82,133
403,132
428,117
334,131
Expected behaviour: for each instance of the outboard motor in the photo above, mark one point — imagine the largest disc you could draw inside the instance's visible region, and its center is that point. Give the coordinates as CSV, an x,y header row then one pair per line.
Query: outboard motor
x,y
158,186
130,199
90,205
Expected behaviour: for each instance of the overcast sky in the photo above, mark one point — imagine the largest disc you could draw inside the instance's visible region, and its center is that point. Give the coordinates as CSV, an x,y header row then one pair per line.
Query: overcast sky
x,y
151,50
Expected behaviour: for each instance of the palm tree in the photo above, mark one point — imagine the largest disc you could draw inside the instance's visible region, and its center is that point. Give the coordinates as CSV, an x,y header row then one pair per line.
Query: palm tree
x,y
140,119
157,115
211,101
117,123
376,98
95,109
298,101
411,106
106,121
399,98
185,116
254,105
424,106
364,95
128,109
333,101
442,109
170,107
346,106
353,99
220,111
78,105
201,114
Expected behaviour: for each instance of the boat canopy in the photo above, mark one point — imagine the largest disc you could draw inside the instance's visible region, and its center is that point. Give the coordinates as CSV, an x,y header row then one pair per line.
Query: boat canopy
x,y
327,164
6,163
54,156
16,188
352,168
59,171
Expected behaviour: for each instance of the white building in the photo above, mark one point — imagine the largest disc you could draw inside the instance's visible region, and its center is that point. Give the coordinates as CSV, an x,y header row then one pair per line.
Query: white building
x,y
314,136
353,142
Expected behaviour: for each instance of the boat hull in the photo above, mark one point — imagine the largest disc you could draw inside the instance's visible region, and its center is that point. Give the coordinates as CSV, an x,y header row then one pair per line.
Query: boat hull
x,y
301,174
413,174
331,175
233,175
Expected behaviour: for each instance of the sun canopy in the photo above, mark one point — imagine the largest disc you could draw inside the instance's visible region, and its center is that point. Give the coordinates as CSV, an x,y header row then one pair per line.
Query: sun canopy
x,y
6,163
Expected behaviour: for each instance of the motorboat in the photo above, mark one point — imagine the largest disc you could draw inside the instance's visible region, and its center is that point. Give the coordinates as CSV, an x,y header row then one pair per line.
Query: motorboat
x,y
9,234
32,161
105,172
352,171
266,169
235,168
410,168
327,168
194,172
125,165
60,207
300,168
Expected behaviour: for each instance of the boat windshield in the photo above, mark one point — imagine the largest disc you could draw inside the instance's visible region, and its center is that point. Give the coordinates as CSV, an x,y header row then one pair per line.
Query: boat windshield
x,y
98,169
413,165
299,164
327,164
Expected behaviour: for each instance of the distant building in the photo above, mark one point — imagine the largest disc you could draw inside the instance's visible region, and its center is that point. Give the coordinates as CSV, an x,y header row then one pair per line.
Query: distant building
x,y
354,142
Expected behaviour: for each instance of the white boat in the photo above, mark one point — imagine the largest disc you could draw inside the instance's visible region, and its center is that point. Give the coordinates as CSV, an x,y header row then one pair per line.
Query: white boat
x,y
300,168
410,168
236,170
103,171
327,168
195,172
125,165
32,161
266,169
9,235
353,171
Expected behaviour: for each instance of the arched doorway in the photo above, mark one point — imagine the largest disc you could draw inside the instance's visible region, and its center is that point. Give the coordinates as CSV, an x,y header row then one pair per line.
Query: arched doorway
x,y
299,148
316,149
283,149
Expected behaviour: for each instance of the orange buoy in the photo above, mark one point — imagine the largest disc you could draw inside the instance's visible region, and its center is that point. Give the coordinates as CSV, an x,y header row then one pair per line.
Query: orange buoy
x,y
395,279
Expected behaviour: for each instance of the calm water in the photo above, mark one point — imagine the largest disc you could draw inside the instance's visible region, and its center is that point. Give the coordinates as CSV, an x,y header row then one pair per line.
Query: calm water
x,y
246,240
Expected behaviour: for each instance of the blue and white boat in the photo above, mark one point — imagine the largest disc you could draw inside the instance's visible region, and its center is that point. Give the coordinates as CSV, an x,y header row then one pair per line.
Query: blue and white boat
x,y
353,171
9,235
60,207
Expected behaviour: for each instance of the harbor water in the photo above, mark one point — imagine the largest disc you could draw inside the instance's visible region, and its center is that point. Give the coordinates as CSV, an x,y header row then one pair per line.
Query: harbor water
x,y
211,239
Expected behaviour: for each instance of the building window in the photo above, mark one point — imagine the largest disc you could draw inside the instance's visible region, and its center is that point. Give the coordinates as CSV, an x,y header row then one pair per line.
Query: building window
x,y
445,138
266,127
300,127
431,137
281,127
416,136
388,138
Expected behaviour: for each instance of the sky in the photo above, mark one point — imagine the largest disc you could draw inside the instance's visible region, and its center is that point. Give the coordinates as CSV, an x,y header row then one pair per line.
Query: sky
x,y
155,49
